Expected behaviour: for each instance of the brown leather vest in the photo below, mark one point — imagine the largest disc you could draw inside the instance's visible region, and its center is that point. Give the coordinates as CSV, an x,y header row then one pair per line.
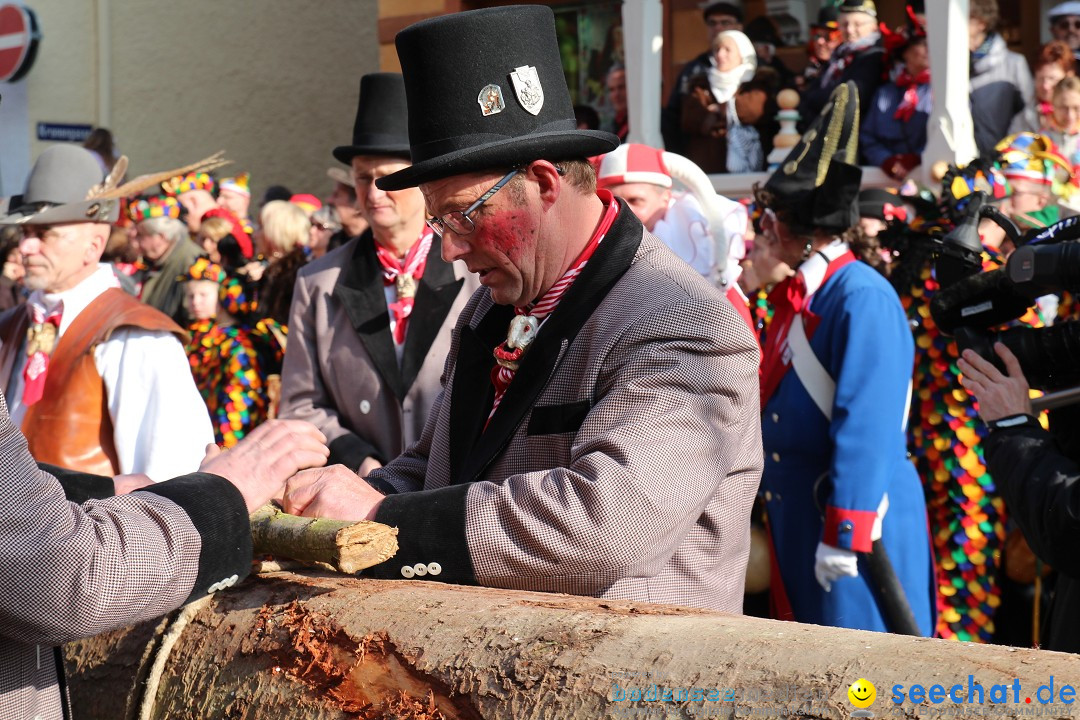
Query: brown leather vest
x,y
70,426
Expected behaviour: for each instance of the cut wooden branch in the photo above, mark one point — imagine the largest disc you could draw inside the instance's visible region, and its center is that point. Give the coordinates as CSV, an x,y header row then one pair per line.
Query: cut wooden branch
x,y
344,546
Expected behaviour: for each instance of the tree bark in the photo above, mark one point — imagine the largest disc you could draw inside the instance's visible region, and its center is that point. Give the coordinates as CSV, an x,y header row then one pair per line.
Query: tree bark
x,y
288,646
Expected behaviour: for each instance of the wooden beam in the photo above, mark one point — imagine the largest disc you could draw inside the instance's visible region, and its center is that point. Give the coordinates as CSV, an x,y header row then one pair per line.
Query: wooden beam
x,y
287,646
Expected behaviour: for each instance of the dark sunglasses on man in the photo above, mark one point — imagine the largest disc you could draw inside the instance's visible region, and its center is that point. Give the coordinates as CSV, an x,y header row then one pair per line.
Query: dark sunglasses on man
x,y
1071,22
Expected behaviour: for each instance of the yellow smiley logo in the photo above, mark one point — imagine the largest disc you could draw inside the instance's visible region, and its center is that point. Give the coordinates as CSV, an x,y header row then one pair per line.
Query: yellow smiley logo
x,y
862,693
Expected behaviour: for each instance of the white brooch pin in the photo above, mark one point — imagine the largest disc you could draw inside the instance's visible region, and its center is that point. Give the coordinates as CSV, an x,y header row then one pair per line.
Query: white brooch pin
x,y
528,89
491,100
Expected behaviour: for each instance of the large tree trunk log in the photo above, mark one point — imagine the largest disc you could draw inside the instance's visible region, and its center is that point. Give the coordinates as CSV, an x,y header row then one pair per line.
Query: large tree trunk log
x,y
291,646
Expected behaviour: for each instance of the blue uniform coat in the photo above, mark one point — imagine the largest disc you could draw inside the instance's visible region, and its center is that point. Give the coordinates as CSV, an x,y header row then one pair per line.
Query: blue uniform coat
x,y
863,341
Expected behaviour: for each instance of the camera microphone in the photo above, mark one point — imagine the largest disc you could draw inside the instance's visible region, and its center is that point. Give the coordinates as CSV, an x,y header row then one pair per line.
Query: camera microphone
x,y
982,300
960,254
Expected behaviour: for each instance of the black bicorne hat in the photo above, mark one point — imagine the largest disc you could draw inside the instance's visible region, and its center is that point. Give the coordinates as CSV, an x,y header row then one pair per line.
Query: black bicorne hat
x,y
382,119
486,90
818,182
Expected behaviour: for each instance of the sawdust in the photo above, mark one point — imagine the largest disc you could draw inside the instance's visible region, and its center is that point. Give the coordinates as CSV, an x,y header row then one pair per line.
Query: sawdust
x,y
365,677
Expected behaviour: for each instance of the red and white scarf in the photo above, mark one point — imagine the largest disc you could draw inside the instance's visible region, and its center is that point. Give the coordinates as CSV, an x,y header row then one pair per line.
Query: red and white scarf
x,y
911,84
37,364
791,297
537,312
412,266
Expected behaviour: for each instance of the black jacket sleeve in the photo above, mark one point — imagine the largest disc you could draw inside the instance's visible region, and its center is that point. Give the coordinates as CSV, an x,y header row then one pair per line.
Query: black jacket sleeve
x,y
79,486
1041,487
351,450
218,512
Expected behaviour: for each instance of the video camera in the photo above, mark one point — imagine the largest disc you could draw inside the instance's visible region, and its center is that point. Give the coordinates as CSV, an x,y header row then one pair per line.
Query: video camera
x,y
972,302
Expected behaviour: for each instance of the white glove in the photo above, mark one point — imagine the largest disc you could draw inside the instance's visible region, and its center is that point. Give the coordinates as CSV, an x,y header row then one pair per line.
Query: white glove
x,y
832,563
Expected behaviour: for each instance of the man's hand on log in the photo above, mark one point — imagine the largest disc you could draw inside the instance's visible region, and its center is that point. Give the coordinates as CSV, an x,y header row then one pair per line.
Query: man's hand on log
x,y
333,492
260,464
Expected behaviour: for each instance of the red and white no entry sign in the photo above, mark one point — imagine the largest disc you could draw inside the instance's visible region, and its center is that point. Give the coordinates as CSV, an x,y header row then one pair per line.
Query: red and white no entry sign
x,y
18,41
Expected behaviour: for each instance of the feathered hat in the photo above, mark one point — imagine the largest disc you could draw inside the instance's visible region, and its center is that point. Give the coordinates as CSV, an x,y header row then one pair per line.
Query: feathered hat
x,y
66,186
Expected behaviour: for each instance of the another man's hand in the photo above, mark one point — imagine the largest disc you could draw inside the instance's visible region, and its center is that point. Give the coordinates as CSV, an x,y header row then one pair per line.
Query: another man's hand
x,y
260,464
333,492
123,484
999,395
369,466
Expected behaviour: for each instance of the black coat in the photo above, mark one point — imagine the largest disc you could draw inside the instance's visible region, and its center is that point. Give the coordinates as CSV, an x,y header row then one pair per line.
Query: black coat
x,y
866,69
1041,487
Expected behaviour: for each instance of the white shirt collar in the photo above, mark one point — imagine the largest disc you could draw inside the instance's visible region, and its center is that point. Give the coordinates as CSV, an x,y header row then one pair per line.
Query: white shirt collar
x,y
814,267
77,298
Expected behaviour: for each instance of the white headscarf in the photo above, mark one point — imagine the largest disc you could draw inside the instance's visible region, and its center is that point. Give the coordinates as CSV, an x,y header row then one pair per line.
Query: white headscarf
x,y
725,84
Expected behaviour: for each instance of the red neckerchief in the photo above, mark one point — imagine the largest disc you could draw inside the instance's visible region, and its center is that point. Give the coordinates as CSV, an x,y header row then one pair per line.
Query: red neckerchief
x,y
406,275
789,297
535,313
37,360
911,84
1045,109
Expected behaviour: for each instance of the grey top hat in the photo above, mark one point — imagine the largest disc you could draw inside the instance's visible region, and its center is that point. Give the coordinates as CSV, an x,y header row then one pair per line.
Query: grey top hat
x,y
59,190
486,90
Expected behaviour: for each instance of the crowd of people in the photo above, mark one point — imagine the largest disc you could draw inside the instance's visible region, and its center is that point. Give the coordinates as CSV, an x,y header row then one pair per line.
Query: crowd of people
x,y
554,360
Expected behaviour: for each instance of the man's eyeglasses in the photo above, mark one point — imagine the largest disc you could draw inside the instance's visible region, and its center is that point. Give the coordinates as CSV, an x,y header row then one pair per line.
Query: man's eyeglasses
x,y
1067,23
460,221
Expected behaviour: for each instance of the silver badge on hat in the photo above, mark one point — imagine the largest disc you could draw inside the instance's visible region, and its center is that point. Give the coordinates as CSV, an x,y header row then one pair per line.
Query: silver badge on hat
x,y
528,89
491,100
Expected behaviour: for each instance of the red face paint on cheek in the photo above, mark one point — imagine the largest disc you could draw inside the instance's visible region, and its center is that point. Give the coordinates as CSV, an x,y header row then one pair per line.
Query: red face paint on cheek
x,y
506,233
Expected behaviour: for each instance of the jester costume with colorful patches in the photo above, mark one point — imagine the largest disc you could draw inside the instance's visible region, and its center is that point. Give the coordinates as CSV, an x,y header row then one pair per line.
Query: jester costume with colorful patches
x,y
230,366
967,515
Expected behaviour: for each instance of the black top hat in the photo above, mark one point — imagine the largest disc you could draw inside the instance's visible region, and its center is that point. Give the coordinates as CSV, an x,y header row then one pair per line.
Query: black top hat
x,y
486,90
818,182
381,126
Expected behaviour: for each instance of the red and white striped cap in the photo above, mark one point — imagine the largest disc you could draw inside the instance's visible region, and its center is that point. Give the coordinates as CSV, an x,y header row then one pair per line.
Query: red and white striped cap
x,y
633,163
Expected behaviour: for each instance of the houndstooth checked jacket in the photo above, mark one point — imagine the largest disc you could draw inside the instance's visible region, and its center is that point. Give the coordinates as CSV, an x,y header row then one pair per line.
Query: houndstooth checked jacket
x,y
623,459
70,570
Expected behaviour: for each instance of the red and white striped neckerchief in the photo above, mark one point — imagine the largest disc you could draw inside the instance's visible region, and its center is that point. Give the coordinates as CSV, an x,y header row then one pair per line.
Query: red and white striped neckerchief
x,y
405,275
535,313
37,362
